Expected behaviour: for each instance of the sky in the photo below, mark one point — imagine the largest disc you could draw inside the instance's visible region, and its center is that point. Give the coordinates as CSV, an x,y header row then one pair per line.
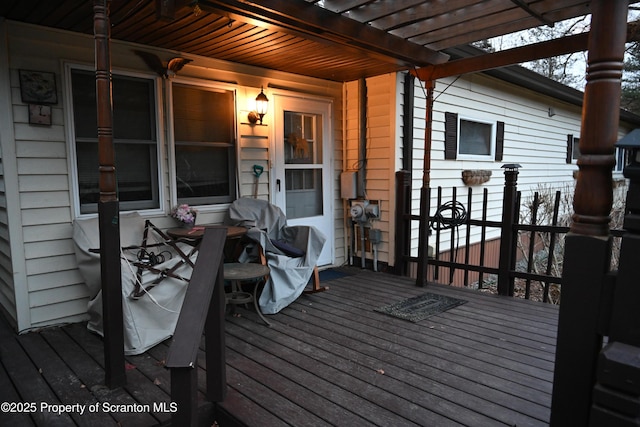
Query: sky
x,y
573,26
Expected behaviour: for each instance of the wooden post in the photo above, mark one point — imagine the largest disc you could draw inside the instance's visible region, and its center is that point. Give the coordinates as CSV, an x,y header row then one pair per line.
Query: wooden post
x,y
588,244
215,342
403,226
505,281
108,206
425,192
184,393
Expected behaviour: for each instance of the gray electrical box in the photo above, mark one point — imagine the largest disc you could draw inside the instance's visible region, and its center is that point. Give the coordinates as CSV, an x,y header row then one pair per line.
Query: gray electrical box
x,y
348,185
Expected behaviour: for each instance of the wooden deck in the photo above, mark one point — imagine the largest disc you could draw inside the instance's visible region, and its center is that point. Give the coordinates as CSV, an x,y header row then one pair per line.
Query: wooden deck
x,y
328,359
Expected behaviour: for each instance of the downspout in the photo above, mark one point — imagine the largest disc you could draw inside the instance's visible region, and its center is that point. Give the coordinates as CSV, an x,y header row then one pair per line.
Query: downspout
x,y
362,138
362,158
423,231
407,122
347,223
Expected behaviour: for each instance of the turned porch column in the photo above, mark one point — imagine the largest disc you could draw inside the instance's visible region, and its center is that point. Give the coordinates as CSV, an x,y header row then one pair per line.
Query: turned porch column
x,y
108,206
588,244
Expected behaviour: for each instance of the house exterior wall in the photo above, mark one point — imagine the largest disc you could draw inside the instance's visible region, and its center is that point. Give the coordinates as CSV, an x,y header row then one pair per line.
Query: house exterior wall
x,y
532,138
383,155
39,282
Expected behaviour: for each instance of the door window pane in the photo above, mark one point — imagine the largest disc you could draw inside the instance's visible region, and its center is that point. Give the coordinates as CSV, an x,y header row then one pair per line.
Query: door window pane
x,y
304,192
303,138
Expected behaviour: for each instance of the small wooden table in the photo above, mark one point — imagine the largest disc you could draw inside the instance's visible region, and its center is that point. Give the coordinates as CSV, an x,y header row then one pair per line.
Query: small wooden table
x,y
197,231
193,236
237,272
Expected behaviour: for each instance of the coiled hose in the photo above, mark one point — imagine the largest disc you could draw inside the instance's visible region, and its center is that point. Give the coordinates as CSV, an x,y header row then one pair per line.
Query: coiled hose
x,y
450,215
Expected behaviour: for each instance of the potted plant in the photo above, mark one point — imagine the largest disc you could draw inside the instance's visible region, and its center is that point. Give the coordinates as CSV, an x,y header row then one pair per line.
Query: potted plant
x,y
185,214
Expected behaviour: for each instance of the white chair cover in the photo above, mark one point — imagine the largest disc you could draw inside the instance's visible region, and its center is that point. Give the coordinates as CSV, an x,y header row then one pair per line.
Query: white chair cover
x,y
289,275
150,319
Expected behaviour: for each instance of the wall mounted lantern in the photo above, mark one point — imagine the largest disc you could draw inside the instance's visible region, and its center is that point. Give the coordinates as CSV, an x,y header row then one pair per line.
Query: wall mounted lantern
x,y
262,104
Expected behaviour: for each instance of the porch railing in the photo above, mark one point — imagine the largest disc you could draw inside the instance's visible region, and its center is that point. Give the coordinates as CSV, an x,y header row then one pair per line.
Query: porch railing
x,y
202,309
520,255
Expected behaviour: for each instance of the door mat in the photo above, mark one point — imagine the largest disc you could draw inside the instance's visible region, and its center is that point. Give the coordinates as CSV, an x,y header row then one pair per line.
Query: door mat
x,y
419,308
332,274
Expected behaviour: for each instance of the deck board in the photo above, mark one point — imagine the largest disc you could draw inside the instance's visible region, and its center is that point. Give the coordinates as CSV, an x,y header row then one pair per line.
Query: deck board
x,y
327,359
486,377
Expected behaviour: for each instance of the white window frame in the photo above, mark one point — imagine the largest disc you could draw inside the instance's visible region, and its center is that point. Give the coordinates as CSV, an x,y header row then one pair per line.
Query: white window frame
x,y
575,149
492,147
621,157
71,138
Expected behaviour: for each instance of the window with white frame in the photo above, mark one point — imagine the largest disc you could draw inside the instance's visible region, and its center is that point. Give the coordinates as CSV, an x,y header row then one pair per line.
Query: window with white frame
x,y
475,138
472,138
134,136
573,153
573,148
204,138
622,159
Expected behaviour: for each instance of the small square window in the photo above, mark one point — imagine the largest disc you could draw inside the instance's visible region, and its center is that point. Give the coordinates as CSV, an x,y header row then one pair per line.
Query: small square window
x,y
475,138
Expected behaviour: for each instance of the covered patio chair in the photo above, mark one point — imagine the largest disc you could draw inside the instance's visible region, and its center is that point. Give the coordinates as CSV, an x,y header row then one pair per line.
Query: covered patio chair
x,y
291,252
155,273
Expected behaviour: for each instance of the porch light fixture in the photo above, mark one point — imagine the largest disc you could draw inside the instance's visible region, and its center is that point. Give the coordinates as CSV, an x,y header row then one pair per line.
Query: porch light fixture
x,y
262,104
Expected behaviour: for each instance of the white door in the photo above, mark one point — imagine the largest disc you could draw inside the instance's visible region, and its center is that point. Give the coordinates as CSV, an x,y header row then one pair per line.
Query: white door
x,y
302,167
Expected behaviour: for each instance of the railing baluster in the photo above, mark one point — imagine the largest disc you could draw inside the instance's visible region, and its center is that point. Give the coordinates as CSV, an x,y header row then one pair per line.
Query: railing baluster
x,y
532,243
483,234
436,271
552,245
453,253
467,237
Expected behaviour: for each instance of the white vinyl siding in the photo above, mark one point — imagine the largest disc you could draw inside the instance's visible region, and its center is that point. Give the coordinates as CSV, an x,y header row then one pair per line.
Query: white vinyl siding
x,y
382,150
531,138
39,282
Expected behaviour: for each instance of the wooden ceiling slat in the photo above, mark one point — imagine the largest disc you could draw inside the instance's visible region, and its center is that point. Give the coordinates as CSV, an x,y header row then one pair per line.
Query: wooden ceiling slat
x,y
246,51
446,21
225,47
285,43
458,36
212,33
136,23
222,37
414,17
513,18
50,13
383,9
183,33
342,6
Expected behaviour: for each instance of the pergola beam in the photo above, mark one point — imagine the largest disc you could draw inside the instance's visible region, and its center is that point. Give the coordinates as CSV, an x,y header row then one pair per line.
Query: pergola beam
x,y
546,49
